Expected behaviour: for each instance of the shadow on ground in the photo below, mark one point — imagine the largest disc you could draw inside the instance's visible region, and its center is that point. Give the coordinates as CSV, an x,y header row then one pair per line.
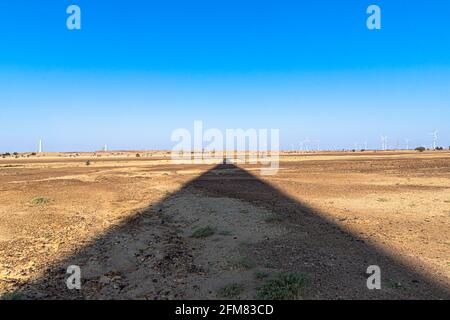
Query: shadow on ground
x,y
149,256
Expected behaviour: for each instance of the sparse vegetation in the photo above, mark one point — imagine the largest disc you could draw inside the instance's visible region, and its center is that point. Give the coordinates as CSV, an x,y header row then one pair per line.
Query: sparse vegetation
x,y
261,275
273,218
244,263
382,200
284,286
394,284
88,163
203,232
15,295
230,291
39,200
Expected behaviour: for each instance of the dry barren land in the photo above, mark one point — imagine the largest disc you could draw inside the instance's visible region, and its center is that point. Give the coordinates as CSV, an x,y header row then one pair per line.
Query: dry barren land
x,y
143,228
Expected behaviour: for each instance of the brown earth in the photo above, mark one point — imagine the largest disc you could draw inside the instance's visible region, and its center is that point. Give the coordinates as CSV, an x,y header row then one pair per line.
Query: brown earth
x,y
128,223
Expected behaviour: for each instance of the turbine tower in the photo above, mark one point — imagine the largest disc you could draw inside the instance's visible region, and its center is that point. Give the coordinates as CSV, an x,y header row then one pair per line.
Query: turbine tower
x,y
384,140
435,138
40,146
306,142
407,143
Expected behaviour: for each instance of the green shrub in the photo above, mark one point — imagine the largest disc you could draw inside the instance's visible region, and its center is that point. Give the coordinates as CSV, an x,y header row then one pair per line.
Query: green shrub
x,y
230,291
15,295
244,263
284,286
40,200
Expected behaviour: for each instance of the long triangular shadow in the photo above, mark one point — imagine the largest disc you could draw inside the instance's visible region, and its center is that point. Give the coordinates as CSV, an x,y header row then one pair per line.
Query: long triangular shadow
x,y
154,251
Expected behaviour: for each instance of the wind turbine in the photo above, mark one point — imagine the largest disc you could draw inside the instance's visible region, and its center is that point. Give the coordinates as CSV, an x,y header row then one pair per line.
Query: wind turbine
x,y
384,140
318,145
304,144
435,138
40,146
407,143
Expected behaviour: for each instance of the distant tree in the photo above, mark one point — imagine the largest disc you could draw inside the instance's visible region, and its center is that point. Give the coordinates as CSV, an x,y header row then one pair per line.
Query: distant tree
x,y
138,155
420,149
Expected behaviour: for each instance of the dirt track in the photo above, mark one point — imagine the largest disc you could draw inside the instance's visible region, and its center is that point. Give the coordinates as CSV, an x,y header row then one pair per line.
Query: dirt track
x,y
128,224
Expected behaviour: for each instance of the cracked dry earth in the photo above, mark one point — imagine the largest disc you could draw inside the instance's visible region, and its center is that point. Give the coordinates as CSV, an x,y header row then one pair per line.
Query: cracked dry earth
x,y
129,225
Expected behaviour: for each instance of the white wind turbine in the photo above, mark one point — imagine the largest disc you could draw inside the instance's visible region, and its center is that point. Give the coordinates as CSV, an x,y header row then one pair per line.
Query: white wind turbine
x,y
304,144
407,140
435,138
384,141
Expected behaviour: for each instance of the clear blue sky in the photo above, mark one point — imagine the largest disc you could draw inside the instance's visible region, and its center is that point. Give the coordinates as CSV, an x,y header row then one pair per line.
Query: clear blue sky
x,y
140,69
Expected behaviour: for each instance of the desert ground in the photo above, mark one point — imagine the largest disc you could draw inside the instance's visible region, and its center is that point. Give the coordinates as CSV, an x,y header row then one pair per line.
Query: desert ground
x,y
141,227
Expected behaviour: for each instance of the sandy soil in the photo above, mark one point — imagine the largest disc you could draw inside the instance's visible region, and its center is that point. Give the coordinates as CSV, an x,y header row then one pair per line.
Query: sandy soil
x,y
128,223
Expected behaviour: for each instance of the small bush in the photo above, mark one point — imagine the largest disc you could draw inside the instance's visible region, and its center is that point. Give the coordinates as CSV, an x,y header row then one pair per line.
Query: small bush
x,y
230,291
15,295
273,218
88,163
40,200
284,286
138,155
244,263
261,275
394,284
420,149
203,232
